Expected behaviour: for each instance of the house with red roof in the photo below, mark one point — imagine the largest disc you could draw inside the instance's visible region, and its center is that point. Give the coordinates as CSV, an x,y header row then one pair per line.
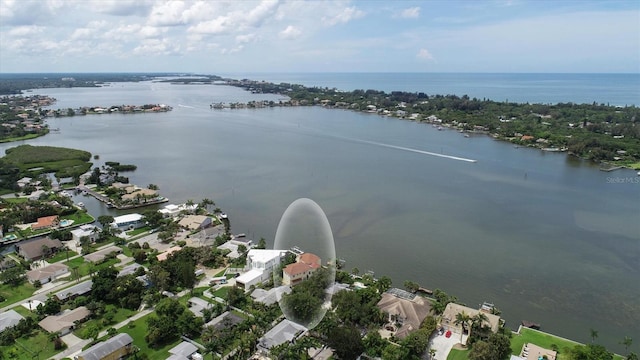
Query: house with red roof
x,y
301,270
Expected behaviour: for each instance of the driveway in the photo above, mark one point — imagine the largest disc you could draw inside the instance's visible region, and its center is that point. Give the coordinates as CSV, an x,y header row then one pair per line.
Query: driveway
x,y
443,345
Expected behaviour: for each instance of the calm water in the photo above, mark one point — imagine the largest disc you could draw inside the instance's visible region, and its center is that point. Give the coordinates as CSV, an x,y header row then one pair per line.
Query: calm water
x,y
545,237
616,89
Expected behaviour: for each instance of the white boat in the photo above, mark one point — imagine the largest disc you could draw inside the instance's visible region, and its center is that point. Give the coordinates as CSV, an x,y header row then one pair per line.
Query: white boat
x,y
81,204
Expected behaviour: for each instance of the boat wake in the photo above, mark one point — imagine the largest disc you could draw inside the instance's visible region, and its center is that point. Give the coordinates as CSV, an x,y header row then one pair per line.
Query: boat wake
x,y
417,151
186,106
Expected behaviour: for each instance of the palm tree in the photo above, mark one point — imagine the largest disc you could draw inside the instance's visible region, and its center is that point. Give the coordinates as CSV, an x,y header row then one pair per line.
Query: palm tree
x,y
478,320
432,353
462,319
627,343
205,203
594,335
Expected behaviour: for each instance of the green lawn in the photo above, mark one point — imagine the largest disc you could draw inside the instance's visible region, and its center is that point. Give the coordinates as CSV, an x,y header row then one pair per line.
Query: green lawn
x,y
28,348
16,200
222,292
544,340
84,267
22,311
455,354
137,330
14,294
541,339
138,231
61,255
80,217
120,315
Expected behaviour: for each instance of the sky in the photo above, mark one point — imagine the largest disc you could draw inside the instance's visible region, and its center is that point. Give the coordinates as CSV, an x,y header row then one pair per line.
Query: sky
x,y
221,37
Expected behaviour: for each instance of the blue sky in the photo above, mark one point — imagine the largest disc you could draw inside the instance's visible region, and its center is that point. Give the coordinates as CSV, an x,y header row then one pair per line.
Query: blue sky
x,y
220,37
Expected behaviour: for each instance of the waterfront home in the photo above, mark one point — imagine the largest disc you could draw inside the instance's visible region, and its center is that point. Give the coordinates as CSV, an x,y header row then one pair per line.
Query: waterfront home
x,y
9,319
128,222
195,222
47,273
260,264
301,270
284,331
90,231
405,311
46,222
74,291
36,249
452,310
66,321
117,347
139,195
172,210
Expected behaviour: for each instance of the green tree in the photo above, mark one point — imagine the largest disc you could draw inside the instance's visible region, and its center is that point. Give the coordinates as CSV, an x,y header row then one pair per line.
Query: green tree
x,y
594,334
627,342
13,276
411,286
383,284
346,342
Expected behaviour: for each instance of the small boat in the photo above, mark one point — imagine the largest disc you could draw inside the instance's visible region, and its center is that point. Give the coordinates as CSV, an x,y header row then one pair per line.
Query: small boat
x,y
85,193
466,135
440,128
81,204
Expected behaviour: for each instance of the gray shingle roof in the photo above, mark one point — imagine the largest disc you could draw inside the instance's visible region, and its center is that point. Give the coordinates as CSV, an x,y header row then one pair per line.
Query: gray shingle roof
x,y
285,331
101,350
8,319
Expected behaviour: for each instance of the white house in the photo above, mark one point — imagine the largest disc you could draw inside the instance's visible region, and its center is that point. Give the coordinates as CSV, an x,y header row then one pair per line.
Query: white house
x,y
260,264
85,230
172,210
128,222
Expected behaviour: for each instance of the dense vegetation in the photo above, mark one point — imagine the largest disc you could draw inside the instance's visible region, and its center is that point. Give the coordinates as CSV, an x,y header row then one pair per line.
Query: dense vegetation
x,y
32,161
599,132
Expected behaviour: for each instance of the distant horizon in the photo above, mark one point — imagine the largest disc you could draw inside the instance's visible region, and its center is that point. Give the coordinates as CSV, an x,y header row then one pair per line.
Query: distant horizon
x,y
320,72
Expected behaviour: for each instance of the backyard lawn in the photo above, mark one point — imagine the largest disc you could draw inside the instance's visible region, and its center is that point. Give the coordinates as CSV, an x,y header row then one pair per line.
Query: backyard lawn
x,y
15,294
137,330
456,354
37,346
61,255
119,315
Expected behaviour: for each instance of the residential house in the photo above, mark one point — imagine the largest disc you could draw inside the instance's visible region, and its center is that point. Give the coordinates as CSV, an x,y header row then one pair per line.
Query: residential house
x,y
139,195
260,264
47,273
172,210
301,270
452,310
24,182
128,222
9,319
90,231
74,291
271,296
115,348
405,311
198,305
195,222
65,322
100,255
225,320
285,331
166,253
36,249
184,351
46,222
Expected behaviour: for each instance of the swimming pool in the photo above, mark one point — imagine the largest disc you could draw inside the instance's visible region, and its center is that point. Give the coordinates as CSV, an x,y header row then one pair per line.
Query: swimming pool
x,y
66,222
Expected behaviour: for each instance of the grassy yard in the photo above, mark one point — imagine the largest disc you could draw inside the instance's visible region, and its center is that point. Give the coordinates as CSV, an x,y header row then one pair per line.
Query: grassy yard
x,y
222,292
80,217
19,200
541,339
84,267
119,316
138,231
458,354
137,330
28,348
14,294
61,255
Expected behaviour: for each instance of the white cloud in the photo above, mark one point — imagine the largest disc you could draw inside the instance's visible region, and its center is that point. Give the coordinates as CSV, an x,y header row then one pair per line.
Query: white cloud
x,y
149,47
168,14
124,7
424,54
291,32
409,13
219,25
343,16
245,38
26,31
